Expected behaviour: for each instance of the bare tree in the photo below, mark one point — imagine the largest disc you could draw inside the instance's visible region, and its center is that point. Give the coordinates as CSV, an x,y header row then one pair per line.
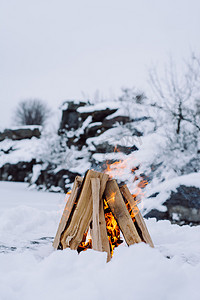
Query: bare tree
x,y
177,98
31,112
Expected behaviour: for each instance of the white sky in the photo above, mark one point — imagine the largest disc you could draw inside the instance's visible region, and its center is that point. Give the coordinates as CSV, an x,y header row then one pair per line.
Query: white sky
x,y
57,49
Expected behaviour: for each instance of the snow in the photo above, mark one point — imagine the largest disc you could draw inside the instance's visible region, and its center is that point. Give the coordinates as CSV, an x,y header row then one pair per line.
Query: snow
x,y
85,125
23,150
36,172
192,179
112,136
31,269
99,106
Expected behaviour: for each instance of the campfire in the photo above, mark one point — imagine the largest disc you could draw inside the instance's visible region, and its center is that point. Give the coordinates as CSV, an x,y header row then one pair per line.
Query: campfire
x,y
100,214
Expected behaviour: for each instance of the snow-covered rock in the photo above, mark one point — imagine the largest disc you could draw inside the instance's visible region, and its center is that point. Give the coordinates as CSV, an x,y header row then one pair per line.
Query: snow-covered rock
x,y
177,200
20,133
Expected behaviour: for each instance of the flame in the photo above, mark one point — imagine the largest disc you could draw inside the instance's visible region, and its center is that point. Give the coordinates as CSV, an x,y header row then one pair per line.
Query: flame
x,y
67,196
121,167
123,170
112,226
116,168
86,242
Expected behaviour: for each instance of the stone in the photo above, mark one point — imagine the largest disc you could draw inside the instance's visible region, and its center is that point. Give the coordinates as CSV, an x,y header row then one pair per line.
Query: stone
x,y
98,115
26,132
49,178
21,171
183,206
71,118
107,148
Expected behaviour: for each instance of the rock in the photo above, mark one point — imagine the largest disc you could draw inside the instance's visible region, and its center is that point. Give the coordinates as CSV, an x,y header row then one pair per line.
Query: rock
x,y
107,148
17,172
49,178
26,132
93,130
159,215
75,113
100,128
71,118
183,206
99,115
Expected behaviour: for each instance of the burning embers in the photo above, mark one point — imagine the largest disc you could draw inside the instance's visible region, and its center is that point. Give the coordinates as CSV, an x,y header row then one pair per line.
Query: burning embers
x,y
97,213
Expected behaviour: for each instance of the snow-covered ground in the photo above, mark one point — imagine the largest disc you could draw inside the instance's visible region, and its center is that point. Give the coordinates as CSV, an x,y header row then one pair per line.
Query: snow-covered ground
x,y
31,269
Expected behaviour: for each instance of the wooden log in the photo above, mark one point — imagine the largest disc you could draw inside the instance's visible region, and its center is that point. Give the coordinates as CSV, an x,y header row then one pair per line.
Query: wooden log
x,y
96,235
138,217
103,230
120,212
67,210
100,240
82,215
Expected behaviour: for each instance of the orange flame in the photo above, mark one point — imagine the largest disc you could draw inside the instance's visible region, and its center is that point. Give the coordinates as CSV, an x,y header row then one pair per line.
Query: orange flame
x,y
86,242
116,167
67,196
112,227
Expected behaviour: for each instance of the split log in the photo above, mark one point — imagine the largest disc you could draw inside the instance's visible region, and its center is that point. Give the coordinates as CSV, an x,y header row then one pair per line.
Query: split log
x,y
67,210
96,235
138,217
82,215
100,240
118,207
103,230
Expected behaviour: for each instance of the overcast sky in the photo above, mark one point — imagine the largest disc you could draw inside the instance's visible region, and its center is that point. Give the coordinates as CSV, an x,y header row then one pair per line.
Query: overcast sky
x,y
56,50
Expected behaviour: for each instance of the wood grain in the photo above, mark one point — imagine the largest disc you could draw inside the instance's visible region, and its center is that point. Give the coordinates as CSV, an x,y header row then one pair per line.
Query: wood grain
x,y
138,217
82,215
120,212
67,210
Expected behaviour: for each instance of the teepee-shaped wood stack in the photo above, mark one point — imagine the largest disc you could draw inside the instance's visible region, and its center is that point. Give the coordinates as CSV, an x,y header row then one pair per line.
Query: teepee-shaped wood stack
x,y
85,209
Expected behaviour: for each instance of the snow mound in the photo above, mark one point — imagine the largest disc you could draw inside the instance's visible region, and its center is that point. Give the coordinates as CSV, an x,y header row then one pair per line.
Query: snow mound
x,y
31,269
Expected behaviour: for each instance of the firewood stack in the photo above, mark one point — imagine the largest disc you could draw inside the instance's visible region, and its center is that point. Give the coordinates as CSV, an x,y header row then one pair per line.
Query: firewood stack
x,y
86,209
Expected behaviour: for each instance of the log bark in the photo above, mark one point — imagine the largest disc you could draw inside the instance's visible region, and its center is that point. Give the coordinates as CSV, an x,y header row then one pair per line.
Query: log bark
x,y
120,212
67,210
82,215
138,217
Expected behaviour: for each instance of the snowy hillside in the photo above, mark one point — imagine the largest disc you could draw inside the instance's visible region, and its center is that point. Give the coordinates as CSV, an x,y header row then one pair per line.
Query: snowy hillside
x,y
31,269
128,131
